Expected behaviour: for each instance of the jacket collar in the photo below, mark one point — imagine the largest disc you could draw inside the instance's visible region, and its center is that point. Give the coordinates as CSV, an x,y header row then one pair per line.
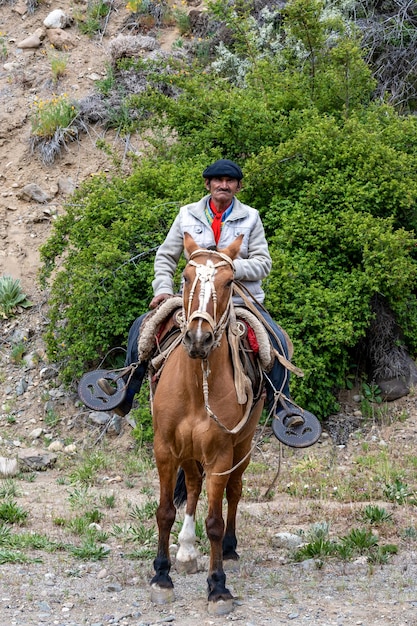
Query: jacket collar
x,y
198,210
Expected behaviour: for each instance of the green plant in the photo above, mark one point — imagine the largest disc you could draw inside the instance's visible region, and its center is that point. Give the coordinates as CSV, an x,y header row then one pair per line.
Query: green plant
x,y
12,513
4,53
49,116
8,488
18,350
181,19
409,533
58,62
375,515
11,297
11,556
91,22
382,554
145,512
89,550
156,10
109,501
360,540
80,497
54,123
316,549
399,492
146,537
51,418
87,470
81,525
143,429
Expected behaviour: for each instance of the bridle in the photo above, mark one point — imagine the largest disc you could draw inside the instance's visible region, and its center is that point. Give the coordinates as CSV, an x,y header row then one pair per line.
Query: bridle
x,y
204,275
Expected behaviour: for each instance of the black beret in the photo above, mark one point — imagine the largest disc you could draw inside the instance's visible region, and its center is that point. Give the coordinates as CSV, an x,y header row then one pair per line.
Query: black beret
x,y
223,167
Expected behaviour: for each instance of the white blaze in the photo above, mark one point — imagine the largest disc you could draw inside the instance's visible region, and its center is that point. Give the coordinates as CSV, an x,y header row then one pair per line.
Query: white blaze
x,y
205,274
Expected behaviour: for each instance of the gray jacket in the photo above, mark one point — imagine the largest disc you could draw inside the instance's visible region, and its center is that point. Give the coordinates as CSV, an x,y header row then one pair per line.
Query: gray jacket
x,y
251,266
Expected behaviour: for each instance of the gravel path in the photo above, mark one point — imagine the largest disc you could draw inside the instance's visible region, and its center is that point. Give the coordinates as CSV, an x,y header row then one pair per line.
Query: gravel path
x,y
62,592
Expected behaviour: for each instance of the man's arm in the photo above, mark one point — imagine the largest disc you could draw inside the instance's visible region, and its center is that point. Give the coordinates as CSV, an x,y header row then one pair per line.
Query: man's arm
x,y
258,264
166,260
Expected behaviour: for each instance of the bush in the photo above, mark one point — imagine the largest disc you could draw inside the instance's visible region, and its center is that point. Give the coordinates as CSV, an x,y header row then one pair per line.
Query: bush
x,y
334,181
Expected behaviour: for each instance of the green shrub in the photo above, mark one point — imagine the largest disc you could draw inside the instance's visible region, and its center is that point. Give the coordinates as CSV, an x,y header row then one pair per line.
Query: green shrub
x,y
333,178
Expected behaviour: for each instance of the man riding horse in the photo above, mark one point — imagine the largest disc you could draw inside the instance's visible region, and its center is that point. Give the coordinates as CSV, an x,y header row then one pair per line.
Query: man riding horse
x,y
214,222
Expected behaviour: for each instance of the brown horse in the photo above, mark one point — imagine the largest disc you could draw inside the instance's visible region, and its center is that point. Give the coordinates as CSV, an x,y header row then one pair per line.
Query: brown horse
x,y
200,426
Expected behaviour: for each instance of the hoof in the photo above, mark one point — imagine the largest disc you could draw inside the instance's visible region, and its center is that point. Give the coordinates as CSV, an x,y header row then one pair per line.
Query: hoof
x,y
162,595
221,607
186,567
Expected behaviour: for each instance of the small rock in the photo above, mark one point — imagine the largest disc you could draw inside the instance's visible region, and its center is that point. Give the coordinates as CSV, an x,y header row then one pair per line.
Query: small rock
x,y
10,67
46,373
36,433
20,335
32,191
66,186
33,460
21,386
55,446
8,467
114,587
33,41
57,19
60,39
99,417
20,7
287,540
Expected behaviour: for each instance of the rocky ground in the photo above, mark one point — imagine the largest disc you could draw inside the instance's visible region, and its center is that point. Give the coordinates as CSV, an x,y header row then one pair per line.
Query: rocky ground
x,y
45,427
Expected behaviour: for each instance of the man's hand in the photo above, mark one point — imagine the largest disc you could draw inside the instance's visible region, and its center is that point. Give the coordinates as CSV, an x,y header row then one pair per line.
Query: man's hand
x,y
158,299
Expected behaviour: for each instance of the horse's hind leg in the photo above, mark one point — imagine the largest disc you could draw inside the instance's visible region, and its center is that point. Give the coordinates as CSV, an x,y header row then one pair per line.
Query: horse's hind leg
x,y
187,554
233,494
162,588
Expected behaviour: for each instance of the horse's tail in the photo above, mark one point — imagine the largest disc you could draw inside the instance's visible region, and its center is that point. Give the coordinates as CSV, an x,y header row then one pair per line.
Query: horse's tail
x,y
180,492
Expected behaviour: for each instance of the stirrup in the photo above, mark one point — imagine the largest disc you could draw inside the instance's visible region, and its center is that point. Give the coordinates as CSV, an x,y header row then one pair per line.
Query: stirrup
x,y
302,433
102,390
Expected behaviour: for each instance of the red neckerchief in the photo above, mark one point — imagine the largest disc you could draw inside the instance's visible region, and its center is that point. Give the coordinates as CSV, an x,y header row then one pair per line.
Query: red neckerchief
x,y
216,224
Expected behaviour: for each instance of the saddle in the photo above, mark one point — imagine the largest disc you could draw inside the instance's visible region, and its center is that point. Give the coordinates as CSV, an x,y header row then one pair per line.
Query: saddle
x,y
251,350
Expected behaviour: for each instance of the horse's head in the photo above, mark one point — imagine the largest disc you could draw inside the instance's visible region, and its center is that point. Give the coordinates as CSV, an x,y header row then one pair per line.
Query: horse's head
x,y
207,294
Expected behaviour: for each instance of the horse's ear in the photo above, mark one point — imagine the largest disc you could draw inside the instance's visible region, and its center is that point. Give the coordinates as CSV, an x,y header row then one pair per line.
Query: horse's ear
x,y
233,250
189,244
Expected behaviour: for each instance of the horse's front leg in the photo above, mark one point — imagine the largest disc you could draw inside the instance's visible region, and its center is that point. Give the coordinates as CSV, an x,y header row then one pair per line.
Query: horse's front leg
x,y
187,554
219,597
162,587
